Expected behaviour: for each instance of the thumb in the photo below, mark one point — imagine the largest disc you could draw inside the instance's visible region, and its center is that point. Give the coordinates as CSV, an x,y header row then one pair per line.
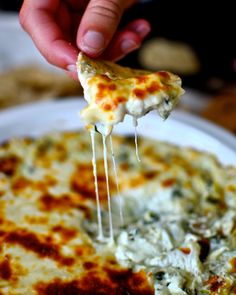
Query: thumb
x,y
98,25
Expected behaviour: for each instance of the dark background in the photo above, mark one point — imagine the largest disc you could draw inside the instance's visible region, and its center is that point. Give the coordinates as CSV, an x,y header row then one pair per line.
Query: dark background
x,y
209,27
10,4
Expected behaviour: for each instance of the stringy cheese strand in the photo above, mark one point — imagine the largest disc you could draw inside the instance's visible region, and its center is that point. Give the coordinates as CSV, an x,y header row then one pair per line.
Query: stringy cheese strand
x,y
99,217
104,137
117,182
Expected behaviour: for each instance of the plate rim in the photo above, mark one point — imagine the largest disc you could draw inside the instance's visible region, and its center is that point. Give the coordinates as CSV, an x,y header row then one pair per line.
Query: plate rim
x,y
199,123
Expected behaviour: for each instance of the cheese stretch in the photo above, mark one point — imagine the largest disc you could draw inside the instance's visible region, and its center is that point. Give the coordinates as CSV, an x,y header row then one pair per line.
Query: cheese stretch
x,y
178,235
112,92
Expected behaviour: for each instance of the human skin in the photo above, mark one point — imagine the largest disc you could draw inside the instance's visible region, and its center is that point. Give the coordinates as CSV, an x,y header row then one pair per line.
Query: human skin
x,y
62,28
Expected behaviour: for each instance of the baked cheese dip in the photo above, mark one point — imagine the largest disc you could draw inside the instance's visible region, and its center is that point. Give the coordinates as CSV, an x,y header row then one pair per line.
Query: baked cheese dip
x,y
178,230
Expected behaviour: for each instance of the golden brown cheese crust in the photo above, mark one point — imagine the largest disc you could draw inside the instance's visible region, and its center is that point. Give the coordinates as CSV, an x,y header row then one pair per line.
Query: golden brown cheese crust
x,y
44,198
99,281
108,93
47,193
112,91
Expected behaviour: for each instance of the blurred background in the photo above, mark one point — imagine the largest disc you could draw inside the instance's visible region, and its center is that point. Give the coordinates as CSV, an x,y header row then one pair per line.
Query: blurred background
x,y
191,39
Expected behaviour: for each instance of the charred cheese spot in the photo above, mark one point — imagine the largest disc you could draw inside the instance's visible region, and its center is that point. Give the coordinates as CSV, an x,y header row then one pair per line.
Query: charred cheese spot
x,y
5,269
32,242
148,175
124,166
215,284
2,233
129,282
185,250
106,99
104,89
42,220
111,282
101,88
41,186
58,287
165,76
107,106
84,250
49,202
82,182
142,79
112,87
63,203
66,233
89,265
20,184
139,93
153,87
8,164
121,99
168,182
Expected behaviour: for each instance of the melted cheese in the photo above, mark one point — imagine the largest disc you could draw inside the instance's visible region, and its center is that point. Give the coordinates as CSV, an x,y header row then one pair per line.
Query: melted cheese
x,y
104,138
135,123
117,181
100,231
113,91
179,229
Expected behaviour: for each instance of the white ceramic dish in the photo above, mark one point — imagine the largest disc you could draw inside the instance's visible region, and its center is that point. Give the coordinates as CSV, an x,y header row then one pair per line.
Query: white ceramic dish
x,y
181,128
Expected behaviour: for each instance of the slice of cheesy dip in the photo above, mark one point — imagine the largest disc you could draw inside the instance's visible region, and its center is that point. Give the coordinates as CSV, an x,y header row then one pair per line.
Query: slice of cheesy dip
x,y
179,230
112,91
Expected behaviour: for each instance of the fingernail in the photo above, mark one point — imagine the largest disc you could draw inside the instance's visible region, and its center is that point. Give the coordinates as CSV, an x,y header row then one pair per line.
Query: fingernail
x,y
72,68
128,46
93,42
142,30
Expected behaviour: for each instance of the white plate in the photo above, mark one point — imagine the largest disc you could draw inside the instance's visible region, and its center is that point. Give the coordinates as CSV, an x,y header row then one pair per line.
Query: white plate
x,y
181,128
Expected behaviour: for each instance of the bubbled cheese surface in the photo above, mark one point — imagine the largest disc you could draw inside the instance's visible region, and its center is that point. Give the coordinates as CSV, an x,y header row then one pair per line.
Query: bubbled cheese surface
x,y
112,91
179,209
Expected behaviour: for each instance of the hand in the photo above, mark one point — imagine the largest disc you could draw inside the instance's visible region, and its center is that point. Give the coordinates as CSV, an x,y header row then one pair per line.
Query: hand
x,y
60,28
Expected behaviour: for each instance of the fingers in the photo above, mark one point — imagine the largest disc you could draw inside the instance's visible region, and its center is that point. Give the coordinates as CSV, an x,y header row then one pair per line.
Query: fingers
x,y
37,18
139,26
129,39
52,24
124,42
98,25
